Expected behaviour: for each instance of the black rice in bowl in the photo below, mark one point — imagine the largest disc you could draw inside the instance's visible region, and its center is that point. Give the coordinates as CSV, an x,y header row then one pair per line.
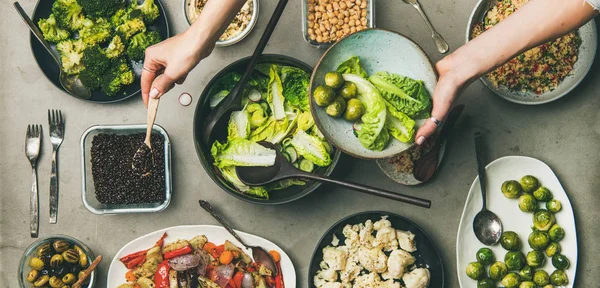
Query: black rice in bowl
x,y
115,181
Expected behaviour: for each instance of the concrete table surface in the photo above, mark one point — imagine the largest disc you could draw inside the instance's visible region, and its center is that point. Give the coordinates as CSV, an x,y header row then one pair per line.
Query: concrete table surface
x,y
565,134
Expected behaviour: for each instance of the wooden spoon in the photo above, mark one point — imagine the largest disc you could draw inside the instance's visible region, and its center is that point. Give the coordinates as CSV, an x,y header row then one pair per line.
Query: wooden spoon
x,y
143,159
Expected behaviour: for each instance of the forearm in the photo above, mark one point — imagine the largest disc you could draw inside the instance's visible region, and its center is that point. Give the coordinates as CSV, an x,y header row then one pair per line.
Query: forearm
x,y
535,23
214,19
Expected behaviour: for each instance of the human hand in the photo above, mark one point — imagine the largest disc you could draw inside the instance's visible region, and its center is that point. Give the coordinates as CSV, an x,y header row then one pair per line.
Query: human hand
x,y
169,62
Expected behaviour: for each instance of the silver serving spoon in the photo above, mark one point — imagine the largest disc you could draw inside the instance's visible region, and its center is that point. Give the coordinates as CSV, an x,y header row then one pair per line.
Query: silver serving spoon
x,y
441,44
70,83
143,159
486,225
260,255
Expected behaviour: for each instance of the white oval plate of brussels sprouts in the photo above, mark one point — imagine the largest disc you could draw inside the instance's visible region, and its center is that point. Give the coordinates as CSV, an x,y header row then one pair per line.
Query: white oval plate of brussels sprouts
x,y
513,198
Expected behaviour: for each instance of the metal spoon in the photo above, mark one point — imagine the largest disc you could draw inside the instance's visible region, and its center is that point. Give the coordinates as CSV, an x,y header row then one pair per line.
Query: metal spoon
x,y
219,116
260,255
441,44
258,176
486,225
143,159
71,84
425,167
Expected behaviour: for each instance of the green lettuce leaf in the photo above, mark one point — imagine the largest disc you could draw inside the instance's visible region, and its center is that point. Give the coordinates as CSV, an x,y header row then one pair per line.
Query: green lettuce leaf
x,y
352,66
280,185
400,125
275,95
311,148
238,126
221,88
230,175
295,87
407,95
305,121
373,135
241,152
257,113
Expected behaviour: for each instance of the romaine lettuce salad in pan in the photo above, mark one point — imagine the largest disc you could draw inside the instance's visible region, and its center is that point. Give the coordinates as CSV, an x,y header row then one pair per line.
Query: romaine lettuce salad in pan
x,y
275,109
391,103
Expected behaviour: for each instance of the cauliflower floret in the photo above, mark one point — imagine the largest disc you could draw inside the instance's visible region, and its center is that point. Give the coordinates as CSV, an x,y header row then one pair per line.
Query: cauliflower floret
x,y
406,240
366,233
370,280
335,241
374,260
389,284
397,263
418,278
386,239
351,235
335,257
332,285
382,223
325,276
350,272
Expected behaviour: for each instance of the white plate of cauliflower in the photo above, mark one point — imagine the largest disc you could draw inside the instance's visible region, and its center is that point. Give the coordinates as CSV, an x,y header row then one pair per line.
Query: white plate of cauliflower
x,y
375,249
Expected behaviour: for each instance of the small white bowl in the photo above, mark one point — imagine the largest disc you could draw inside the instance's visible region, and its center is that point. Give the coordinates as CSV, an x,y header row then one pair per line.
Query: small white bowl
x,y
238,37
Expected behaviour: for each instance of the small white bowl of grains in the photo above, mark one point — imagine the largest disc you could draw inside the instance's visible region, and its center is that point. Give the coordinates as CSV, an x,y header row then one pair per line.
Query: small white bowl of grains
x,y
240,26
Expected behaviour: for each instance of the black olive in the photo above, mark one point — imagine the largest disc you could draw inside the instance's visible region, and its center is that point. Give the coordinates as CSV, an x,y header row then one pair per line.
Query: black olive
x,y
61,271
44,272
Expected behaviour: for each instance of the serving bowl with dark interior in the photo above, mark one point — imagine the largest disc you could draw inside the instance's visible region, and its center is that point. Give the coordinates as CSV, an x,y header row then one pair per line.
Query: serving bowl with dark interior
x,y
202,109
51,70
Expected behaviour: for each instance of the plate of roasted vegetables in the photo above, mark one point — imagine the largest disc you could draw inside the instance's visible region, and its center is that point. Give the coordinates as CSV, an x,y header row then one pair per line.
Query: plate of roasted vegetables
x,y
371,91
538,247
102,42
275,109
196,256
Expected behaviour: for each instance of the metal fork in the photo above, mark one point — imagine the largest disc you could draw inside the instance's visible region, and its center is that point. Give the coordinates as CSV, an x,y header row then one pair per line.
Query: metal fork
x,y
32,151
57,129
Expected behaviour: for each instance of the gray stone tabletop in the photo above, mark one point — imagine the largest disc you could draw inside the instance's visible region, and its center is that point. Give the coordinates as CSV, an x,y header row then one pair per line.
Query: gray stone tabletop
x,y
565,134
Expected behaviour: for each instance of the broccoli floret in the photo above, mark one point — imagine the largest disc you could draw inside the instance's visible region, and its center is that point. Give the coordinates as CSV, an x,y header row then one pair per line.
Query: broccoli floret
x,y
131,27
115,47
51,31
149,10
95,32
96,63
125,14
69,14
139,42
89,79
101,8
117,75
71,54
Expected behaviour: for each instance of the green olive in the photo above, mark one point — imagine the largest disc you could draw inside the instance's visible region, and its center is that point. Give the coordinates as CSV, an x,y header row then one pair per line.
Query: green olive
x,y
553,249
560,262
498,270
336,108
324,95
44,250
510,241
527,203
475,270
334,80
541,278
559,278
543,220
538,240
36,263
536,259
542,194
60,246
55,282
511,189
348,90
56,260
71,256
69,278
486,283
526,273
511,280
515,260
556,233
40,282
32,276
529,183
83,261
485,256
354,110
553,206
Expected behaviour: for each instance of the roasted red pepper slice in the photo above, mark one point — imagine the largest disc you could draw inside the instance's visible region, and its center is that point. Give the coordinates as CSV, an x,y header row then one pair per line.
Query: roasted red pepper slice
x,y
279,278
134,259
161,277
237,279
178,252
160,241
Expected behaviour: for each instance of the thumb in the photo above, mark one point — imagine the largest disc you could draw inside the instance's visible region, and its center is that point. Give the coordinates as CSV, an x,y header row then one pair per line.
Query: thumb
x,y
161,85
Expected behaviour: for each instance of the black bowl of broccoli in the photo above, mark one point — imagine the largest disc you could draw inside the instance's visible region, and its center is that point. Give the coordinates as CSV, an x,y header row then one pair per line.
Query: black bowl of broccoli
x,y
100,41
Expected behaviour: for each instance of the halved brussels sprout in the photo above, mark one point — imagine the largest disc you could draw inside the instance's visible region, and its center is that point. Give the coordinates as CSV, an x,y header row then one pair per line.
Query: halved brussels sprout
x,y
527,284
486,283
535,258
538,240
348,91
527,203
514,260
560,262
556,233
511,189
336,108
542,194
553,206
510,241
543,220
324,95
553,249
541,278
529,183
559,278
511,280
526,273
475,271
334,79
498,270
485,256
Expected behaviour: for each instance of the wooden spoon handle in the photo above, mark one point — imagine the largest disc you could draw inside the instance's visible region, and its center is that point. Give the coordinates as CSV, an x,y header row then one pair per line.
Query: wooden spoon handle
x,y
87,272
152,109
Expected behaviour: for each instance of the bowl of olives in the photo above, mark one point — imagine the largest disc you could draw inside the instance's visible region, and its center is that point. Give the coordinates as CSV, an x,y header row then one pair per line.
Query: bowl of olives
x,y
55,261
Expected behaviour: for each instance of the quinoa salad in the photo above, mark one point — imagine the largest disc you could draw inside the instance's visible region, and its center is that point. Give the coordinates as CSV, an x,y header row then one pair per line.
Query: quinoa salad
x,y
538,70
238,24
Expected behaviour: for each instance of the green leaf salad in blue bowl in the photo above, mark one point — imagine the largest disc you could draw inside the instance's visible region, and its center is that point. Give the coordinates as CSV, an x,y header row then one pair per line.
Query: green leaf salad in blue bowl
x,y
275,109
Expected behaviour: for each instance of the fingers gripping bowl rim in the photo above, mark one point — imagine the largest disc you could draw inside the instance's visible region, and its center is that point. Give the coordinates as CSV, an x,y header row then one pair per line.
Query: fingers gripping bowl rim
x,y
202,108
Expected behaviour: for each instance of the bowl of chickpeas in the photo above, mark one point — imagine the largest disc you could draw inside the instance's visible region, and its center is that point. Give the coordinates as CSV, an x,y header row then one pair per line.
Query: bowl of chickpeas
x,y
327,21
